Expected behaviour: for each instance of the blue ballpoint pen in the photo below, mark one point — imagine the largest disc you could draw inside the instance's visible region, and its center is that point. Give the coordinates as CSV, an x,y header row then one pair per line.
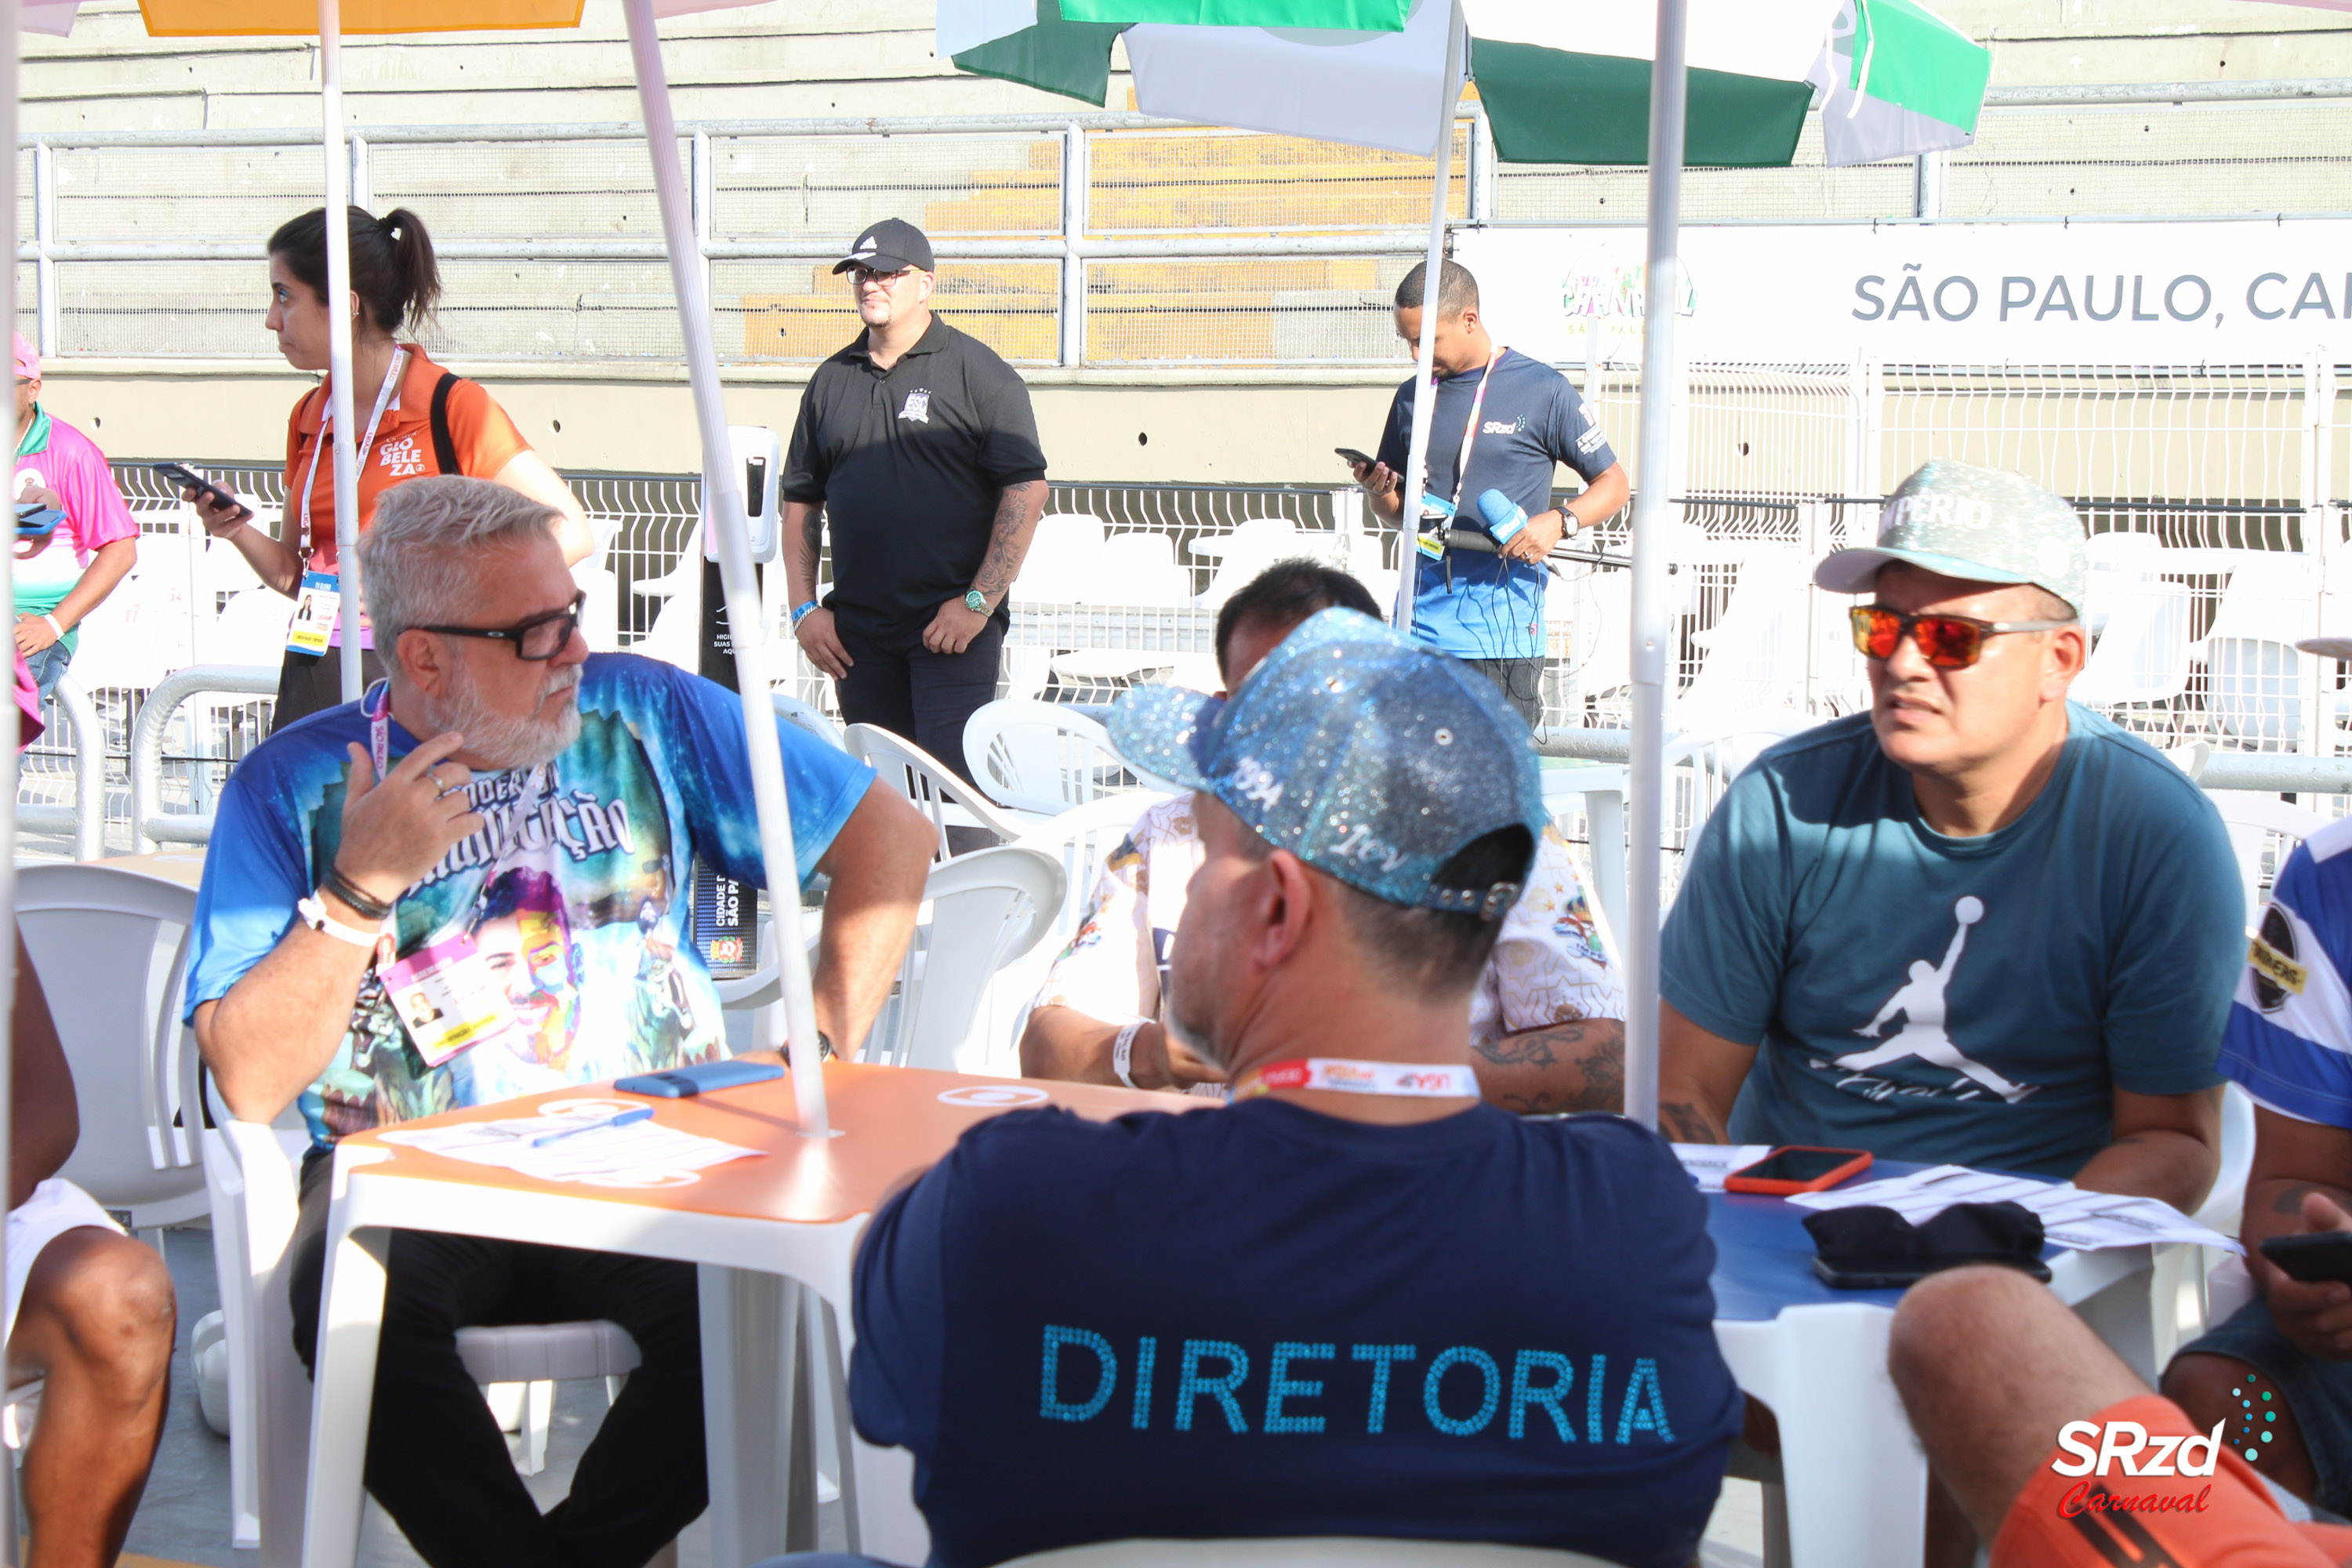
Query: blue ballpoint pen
x,y
619,1119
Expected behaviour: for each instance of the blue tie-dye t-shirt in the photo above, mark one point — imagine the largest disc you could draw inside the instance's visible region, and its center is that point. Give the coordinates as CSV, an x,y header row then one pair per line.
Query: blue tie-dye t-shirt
x,y
574,891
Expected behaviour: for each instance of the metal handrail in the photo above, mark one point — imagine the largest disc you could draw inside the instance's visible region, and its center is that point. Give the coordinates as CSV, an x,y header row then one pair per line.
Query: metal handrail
x,y
151,828
85,817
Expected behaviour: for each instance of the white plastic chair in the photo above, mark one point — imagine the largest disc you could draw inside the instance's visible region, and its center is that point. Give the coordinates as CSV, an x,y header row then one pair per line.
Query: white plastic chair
x,y
1139,568
2253,674
111,948
2118,563
2251,820
1064,564
1758,651
2143,655
923,778
1253,545
1303,1551
803,716
1041,757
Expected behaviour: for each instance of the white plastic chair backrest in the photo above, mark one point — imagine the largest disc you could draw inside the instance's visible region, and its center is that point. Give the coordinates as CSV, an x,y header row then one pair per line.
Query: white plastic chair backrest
x,y
1302,1551
802,716
251,629
672,637
1139,568
1079,840
2143,655
683,575
2272,596
2115,560
111,948
923,778
1756,650
1254,545
1041,756
2251,819
1063,561
599,615
987,909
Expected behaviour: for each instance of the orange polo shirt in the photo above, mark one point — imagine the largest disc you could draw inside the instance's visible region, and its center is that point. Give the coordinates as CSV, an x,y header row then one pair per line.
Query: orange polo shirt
x,y
486,440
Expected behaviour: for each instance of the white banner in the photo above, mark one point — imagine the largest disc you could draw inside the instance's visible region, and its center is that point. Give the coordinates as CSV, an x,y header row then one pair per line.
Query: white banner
x,y
2264,291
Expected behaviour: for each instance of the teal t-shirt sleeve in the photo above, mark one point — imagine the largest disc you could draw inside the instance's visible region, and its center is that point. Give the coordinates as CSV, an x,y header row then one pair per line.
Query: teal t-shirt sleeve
x,y
253,875
713,770
2177,947
1726,943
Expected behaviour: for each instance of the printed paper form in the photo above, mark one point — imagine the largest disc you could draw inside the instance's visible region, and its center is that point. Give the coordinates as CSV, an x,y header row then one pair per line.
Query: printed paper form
x,y
2071,1217
1708,1164
640,1154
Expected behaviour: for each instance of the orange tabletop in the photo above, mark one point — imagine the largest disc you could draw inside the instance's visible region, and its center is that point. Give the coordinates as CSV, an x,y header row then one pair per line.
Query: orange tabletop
x,y
889,1123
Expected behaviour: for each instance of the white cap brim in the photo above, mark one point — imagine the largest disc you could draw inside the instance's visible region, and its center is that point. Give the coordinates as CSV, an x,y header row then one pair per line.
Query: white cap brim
x,y
2327,647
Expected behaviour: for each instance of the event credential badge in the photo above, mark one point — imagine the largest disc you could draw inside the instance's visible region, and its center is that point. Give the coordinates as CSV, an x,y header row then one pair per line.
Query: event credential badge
x,y
448,998
315,604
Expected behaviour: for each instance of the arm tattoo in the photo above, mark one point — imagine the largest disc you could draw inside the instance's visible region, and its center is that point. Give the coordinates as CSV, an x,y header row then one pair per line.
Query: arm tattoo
x,y
1008,537
1685,1124
1593,1051
2291,1200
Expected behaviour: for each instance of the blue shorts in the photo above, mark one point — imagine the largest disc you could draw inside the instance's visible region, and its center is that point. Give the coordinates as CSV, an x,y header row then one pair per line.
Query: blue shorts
x,y
2318,1392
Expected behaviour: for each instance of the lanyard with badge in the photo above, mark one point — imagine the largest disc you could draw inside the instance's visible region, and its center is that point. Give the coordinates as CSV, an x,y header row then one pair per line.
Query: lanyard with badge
x,y
1439,510
320,598
1409,1078
445,991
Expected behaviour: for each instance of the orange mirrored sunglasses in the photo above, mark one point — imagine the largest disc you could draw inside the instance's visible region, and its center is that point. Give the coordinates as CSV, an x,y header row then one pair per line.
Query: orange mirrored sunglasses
x,y
1947,642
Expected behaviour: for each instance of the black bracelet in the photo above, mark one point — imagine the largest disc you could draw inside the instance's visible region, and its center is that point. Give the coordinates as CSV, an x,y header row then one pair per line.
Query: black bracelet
x,y
352,893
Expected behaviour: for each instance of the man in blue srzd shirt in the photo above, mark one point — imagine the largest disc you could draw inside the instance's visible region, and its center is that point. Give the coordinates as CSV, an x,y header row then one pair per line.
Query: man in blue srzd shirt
x,y
1514,418
1377,1307
530,834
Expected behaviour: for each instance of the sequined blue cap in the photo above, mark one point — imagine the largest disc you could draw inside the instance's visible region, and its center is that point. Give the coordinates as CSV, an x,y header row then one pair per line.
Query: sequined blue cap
x,y
1363,753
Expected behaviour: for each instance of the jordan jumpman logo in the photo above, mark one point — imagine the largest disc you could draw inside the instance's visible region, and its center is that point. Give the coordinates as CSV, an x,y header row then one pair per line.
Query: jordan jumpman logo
x,y
1921,1005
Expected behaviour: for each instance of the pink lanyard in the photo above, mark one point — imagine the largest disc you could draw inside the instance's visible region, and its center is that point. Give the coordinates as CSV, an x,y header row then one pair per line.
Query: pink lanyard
x,y
326,426
1361,1078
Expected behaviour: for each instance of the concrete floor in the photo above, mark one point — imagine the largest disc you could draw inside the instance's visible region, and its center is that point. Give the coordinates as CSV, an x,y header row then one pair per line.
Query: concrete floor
x,y
184,1517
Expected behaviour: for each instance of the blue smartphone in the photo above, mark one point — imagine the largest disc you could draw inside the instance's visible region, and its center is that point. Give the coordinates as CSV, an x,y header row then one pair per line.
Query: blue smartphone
x,y
679,1083
36,522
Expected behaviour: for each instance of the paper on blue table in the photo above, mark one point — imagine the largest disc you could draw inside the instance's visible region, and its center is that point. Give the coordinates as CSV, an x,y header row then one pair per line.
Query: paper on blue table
x,y
1708,1164
2078,1220
642,1153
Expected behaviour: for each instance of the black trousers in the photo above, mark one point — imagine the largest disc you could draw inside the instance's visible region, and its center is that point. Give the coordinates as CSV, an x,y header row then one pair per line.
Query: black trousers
x,y
896,683
308,683
1520,681
436,1459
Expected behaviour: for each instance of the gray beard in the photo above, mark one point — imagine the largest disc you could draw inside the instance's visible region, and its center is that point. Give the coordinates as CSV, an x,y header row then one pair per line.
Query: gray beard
x,y
503,741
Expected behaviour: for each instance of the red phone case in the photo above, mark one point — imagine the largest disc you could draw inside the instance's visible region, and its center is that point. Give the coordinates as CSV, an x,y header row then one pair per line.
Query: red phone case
x,y
1739,1181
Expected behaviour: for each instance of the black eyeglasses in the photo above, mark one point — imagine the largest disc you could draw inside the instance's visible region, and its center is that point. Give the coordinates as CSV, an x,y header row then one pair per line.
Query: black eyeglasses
x,y
540,638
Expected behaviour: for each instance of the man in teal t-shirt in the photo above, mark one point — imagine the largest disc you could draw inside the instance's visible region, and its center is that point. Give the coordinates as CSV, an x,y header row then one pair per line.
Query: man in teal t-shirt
x,y
1978,924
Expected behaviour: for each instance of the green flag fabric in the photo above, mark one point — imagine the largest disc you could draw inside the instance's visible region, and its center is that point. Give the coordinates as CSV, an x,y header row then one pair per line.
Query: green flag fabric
x,y
1358,15
1056,56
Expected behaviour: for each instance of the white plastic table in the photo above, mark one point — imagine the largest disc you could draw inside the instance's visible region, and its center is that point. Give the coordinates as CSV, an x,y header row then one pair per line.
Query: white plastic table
x,y
756,1227
1856,1478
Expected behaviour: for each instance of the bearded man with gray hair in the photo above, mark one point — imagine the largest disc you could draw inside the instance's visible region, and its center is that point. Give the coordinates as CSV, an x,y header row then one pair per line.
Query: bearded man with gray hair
x,y
470,885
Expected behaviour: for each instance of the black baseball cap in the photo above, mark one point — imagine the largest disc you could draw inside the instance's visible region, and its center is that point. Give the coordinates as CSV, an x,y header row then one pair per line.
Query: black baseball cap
x,y
886,246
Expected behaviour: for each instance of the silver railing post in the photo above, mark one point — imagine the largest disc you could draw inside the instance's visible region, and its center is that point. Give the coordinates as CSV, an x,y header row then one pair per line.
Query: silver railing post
x,y
1076,178
148,825
44,239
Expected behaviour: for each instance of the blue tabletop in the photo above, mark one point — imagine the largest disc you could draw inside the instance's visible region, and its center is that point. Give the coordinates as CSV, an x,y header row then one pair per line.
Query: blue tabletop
x,y
1764,1254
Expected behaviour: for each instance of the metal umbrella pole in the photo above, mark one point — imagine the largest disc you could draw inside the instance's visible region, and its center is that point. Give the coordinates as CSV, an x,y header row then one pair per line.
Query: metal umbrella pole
x,y
1415,478
723,492
1651,517
339,337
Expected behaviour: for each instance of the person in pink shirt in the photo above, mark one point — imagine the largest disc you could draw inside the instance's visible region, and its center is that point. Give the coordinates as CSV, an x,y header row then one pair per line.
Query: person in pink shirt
x,y
63,578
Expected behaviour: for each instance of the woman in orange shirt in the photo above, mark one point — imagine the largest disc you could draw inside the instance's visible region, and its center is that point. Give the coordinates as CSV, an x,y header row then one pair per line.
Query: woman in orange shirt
x,y
415,419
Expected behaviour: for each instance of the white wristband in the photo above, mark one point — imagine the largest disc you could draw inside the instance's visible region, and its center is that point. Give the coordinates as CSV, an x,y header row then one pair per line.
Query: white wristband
x,y
53,625
1122,1052
314,915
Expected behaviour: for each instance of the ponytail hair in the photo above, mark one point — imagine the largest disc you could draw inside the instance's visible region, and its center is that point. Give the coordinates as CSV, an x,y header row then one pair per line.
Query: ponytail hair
x,y
392,269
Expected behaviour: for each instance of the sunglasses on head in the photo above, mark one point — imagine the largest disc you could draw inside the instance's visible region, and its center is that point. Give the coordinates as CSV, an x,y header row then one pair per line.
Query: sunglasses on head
x,y
1947,642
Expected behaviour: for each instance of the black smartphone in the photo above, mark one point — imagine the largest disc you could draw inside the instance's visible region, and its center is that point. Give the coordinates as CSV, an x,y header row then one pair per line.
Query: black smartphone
x,y
684,1083
1896,1274
2322,1257
1355,457
187,479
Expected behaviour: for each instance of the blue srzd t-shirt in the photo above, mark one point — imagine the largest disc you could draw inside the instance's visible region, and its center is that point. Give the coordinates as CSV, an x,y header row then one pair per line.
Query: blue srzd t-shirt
x,y
1258,1321
1971,1000
1475,606
2290,1036
573,894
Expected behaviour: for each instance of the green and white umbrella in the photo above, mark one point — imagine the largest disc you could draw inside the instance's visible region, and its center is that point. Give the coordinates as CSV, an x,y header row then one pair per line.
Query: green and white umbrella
x,y
1563,83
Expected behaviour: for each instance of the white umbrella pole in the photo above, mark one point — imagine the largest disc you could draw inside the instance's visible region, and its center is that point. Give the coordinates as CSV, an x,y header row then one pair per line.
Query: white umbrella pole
x,y
1424,400
9,726
1653,513
339,335
723,493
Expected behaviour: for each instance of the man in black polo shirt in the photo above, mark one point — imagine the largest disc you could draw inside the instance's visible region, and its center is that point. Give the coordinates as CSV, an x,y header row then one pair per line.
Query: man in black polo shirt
x,y
918,442
1514,418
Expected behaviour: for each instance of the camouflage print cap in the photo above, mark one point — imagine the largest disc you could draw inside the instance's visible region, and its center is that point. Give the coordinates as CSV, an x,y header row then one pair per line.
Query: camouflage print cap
x,y
1981,525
